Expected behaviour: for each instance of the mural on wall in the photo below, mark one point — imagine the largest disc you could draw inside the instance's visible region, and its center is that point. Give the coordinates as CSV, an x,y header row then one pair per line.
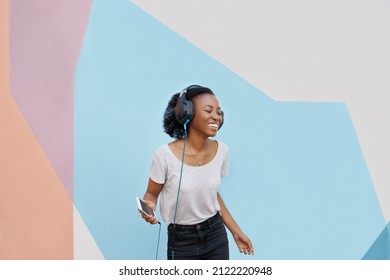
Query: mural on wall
x,y
42,40
88,84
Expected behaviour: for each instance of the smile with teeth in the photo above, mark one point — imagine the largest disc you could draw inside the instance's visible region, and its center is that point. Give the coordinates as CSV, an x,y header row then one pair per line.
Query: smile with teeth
x,y
213,125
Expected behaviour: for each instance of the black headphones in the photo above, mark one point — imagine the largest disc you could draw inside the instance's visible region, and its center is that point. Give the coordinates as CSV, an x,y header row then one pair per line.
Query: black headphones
x,y
184,109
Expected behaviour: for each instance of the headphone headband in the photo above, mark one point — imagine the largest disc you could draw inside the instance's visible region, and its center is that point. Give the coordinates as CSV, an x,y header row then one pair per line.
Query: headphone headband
x,y
193,90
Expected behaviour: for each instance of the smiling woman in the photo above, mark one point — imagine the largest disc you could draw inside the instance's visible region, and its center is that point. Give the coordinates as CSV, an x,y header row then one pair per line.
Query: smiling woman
x,y
193,208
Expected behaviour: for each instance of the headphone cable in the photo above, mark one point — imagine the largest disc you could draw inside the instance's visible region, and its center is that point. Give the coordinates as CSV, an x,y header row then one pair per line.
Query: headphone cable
x,y
181,171
178,189
158,240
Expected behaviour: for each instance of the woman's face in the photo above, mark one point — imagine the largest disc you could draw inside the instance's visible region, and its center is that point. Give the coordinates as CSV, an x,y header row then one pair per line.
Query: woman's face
x,y
207,117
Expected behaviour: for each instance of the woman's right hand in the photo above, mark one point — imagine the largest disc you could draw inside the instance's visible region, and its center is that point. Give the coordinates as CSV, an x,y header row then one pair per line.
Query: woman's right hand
x,y
149,218
150,198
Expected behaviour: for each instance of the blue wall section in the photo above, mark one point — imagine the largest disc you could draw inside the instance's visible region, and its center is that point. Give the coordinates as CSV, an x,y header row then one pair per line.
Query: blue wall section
x,y
298,184
303,178
380,250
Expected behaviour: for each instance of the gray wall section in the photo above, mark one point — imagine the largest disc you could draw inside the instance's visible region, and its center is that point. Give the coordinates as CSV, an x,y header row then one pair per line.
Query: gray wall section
x,y
85,247
302,51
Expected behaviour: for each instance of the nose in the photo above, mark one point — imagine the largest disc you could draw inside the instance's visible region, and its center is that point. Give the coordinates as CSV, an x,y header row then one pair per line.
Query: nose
x,y
217,118
215,115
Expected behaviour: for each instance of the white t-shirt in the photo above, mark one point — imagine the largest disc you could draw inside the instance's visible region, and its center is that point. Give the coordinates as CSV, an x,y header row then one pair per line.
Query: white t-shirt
x,y
199,185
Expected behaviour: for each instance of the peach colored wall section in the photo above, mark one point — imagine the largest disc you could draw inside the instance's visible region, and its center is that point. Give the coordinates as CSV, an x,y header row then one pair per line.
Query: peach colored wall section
x,y
36,214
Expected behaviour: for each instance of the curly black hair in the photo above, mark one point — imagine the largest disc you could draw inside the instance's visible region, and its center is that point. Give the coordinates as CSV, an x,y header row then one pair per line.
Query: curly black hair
x,y
171,126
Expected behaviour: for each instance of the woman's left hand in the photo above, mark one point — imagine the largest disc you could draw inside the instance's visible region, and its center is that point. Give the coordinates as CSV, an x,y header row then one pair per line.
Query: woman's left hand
x,y
244,244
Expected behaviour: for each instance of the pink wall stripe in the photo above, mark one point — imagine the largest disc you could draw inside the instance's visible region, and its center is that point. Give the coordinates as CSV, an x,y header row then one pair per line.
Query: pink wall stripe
x,y
45,40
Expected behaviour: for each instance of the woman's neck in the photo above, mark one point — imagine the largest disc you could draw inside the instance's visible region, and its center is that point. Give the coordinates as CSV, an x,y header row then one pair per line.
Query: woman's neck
x,y
197,143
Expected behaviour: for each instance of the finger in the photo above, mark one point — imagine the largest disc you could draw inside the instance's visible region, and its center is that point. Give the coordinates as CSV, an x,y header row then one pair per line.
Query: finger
x,y
252,251
250,247
249,244
242,251
247,251
153,220
146,217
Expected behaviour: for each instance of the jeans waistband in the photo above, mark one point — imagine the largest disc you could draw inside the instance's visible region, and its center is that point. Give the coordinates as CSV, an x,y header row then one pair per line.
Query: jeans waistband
x,y
206,223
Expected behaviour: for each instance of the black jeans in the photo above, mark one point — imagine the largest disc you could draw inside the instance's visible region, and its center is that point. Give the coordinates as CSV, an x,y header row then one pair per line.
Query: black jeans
x,y
204,241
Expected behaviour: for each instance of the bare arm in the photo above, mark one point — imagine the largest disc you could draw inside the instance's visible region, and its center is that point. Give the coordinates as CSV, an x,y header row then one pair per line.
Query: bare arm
x,y
150,198
243,242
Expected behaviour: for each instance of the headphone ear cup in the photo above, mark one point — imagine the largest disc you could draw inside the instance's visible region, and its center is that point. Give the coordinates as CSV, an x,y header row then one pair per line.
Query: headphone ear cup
x,y
184,110
222,116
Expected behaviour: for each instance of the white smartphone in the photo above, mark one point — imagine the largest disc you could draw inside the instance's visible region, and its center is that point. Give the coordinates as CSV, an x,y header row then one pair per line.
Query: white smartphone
x,y
144,207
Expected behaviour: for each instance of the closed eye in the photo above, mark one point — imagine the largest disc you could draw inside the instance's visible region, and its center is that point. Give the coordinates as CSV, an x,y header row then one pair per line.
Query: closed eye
x,y
209,109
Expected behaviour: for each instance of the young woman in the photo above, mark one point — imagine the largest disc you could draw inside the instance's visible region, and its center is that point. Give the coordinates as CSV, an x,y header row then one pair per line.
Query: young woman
x,y
186,173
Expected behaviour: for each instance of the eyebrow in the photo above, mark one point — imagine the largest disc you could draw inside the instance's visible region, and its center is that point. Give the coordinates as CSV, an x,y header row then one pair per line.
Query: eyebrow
x,y
211,106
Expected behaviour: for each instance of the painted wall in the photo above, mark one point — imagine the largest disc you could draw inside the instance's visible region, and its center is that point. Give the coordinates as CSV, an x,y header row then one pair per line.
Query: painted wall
x,y
81,109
